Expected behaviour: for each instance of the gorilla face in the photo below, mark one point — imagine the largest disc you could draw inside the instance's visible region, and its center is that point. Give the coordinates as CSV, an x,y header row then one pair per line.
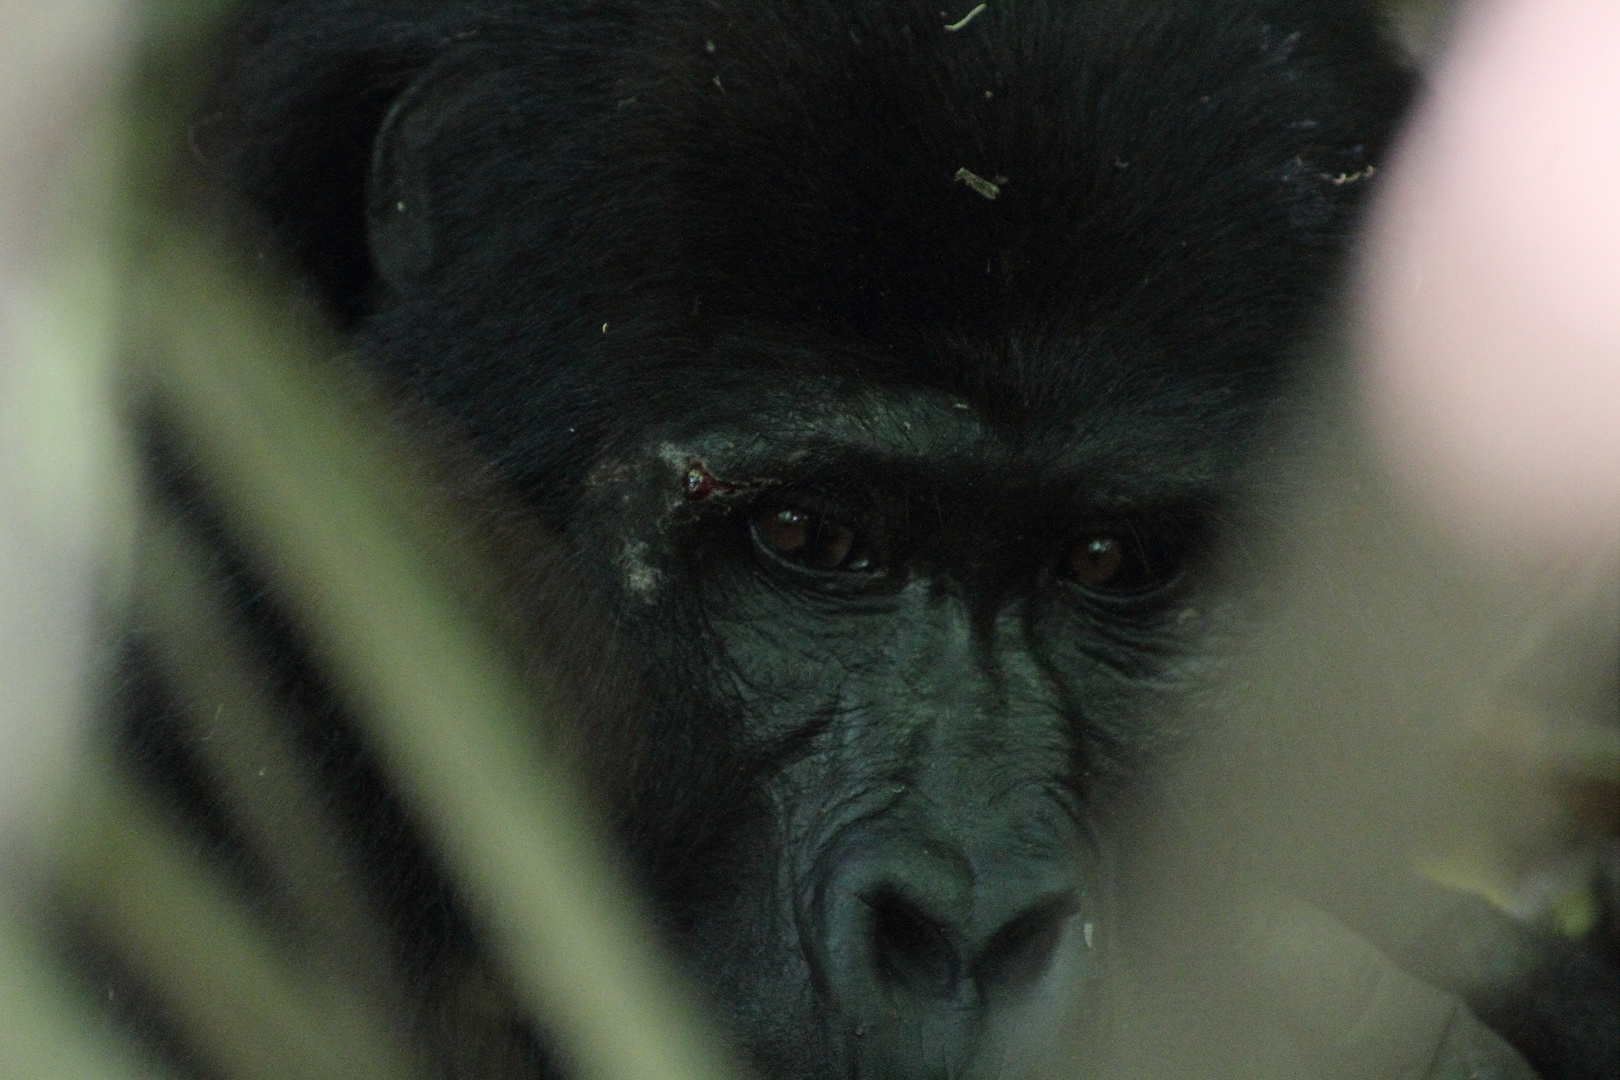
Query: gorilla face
x,y
928,632
889,375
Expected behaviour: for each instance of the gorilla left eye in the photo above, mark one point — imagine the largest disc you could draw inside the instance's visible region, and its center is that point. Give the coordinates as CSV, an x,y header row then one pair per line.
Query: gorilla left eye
x,y
810,539
1124,564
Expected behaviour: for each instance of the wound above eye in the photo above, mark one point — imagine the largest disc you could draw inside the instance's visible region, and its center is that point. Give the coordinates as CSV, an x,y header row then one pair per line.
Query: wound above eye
x,y
700,483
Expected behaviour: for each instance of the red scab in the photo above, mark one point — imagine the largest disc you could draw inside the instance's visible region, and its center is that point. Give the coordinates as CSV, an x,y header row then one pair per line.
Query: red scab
x,y
700,483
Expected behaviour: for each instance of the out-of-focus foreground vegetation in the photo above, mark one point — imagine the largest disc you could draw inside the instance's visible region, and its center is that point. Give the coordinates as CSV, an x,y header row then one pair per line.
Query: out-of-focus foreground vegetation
x,y
123,299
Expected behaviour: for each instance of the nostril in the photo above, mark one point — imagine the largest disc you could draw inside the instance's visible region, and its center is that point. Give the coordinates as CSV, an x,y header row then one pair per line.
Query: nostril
x,y
1020,951
911,950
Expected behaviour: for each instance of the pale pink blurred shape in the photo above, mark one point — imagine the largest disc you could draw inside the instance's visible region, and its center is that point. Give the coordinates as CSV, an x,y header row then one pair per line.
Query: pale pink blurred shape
x,y
1491,288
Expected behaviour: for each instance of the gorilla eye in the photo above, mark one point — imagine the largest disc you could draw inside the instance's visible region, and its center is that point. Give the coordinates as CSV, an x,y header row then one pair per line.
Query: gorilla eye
x,y
1126,564
1097,561
810,539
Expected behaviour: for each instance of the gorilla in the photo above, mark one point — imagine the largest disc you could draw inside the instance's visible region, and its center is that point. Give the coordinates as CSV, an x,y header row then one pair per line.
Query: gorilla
x,y
886,376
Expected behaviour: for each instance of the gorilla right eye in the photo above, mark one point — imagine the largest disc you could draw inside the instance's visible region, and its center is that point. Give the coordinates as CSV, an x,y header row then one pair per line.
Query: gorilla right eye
x,y
1129,564
811,540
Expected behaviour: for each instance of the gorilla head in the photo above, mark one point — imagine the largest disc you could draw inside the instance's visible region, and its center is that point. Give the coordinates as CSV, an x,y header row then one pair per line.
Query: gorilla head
x,y
887,372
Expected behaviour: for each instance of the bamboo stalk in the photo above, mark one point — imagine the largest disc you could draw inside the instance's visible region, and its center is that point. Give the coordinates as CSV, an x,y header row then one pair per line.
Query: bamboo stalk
x,y
221,979
322,498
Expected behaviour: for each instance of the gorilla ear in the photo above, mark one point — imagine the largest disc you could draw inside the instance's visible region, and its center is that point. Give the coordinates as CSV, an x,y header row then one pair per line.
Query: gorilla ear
x,y
400,225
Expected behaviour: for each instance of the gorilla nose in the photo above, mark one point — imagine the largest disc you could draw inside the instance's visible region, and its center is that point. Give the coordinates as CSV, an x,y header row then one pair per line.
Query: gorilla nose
x,y
910,930
913,950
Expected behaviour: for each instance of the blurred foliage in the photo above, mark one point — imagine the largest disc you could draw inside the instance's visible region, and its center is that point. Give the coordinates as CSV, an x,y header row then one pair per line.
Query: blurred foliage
x,y
319,487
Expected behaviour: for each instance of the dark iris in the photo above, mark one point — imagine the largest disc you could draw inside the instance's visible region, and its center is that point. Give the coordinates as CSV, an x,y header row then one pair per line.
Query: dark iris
x,y
810,539
1126,563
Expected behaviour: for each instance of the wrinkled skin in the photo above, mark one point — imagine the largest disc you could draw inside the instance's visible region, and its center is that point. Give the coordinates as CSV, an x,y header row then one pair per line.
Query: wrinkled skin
x,y
887,383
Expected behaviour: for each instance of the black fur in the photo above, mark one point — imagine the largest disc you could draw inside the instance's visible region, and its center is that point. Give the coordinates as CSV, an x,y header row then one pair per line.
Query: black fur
x,y
978,296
